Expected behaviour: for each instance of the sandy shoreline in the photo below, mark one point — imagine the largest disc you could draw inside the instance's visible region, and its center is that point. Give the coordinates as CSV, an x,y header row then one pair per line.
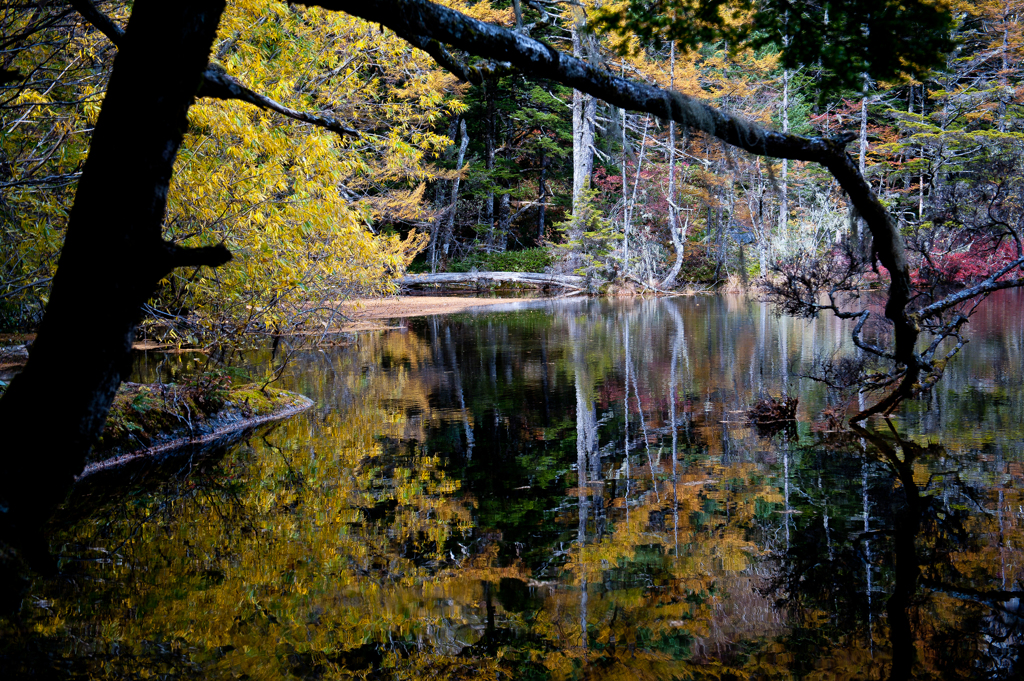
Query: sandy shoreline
x,y
365,312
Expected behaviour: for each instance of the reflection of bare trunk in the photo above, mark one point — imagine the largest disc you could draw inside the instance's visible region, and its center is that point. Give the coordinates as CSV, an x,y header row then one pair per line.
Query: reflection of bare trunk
x,y
672,398
581,532
907,570
643,432
545,382
784,353
586,443
785,474
784,359
625,405
457,377
586,421
867,550
1002,540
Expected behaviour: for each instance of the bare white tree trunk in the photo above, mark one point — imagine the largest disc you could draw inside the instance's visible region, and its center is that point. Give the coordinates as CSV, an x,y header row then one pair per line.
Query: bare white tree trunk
x,y
1004,74
629,200
863,251
453,208
584,110
625,201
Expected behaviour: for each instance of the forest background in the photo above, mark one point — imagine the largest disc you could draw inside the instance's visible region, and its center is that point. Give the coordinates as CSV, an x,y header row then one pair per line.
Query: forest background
x,y
354,156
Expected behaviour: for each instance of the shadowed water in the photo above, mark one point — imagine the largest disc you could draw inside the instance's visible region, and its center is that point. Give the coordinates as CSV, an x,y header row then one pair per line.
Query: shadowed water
x,y
567,490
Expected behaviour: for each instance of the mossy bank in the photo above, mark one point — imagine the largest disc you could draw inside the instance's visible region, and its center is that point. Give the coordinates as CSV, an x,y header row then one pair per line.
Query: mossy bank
x,y
146,418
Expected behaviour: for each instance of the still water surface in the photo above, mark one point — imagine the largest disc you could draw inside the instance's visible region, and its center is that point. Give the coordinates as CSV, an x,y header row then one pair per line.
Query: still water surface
x,y
561,492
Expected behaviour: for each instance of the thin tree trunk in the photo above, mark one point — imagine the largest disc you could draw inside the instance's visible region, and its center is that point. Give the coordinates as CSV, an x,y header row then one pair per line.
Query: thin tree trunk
x,y
447,229
489,160
504,222
542,197
784,183
677,233
863,252
630,201
920,178
441,201
625,202
1004,74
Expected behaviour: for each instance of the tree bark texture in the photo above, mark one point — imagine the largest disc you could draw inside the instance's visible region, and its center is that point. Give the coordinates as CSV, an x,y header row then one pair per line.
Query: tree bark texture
x,y
114,256
584,111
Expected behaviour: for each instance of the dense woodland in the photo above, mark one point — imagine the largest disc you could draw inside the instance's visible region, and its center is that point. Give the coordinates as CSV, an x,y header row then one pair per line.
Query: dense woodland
x,y
409,160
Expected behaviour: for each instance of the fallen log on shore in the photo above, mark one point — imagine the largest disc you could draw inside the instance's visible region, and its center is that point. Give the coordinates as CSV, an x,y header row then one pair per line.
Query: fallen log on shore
x,y
473,278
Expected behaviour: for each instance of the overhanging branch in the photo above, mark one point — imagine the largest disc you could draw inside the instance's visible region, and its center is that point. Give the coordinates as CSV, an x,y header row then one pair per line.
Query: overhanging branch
x,y
987,286
202,256
216,83
434,22
219,85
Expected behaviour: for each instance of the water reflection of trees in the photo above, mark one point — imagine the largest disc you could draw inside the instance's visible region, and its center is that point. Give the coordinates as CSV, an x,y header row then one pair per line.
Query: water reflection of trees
x,y
920,580
572,494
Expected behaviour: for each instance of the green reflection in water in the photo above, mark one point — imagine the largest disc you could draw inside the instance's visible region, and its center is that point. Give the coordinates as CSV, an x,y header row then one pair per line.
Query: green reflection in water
x,y
559,493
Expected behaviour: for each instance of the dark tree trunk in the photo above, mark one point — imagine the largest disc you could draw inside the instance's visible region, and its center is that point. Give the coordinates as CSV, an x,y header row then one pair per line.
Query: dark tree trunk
x,y
113,257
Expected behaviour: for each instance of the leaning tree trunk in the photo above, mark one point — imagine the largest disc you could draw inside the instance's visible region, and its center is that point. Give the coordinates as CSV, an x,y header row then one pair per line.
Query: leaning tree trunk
x,y
113,257
677,233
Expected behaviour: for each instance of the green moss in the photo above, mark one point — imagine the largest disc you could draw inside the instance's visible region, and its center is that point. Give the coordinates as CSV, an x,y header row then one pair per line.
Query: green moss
x,y
528,260
143,415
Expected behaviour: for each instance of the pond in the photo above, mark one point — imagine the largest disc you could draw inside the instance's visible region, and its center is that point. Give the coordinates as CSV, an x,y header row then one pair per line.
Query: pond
x,y
568,489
